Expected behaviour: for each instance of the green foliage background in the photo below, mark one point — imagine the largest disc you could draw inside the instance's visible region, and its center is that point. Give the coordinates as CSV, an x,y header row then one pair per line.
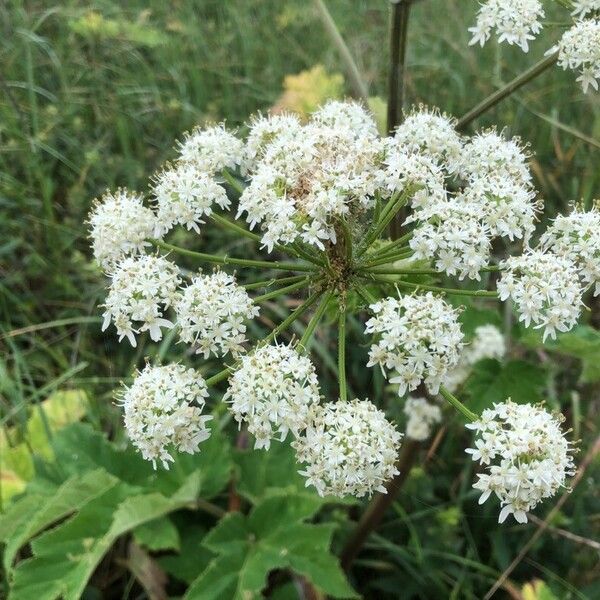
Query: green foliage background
x,y
92,95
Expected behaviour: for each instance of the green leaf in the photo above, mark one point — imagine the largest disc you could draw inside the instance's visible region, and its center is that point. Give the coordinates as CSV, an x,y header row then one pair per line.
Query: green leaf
x,y
272,536
159,534
491,381
582,342
65,557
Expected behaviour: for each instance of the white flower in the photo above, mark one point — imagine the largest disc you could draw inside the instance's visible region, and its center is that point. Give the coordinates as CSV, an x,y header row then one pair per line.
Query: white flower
x,y
211,149
579,50
263,131
515,21
422,415
584,8
184,194
163,411
272,391
348,448
430,133
418,338
545,290
453,235
487,342
526,455
576,237
211,312
120,225
140,291
347,115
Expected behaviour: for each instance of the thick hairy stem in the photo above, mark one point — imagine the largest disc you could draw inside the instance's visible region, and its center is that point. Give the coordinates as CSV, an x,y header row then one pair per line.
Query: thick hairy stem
x,y
458,405
396,84
366,295
357,84
507,90
379,504
342,352
228,260
314,321
232,181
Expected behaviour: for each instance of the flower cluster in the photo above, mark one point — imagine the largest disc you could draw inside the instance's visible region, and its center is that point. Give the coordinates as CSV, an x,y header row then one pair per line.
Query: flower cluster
x,y
579,50
515,21
418,338
422,415
141,289
272,391
585,8
348,448
545,289
163,411
576,237
487,342
211,311
526,455
211,149
184,194
120,225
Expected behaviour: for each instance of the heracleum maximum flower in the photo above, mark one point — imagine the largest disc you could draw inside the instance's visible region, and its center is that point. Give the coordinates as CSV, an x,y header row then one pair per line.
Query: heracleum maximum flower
x,y
272,391
525,454
348,448
184,195
576,237
141,289
417,339
120,225
163,412
211,314
545,289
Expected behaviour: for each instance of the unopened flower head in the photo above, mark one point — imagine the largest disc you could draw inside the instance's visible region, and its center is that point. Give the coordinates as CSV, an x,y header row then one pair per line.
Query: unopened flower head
x,y
515,21
141,290
579,50
211,149
418,339
430,133
263,131
348,448
576,237
272,391
545,289
347,115
184,195
211,314
525,454
422,415
453,234
163,412
120,225
488,342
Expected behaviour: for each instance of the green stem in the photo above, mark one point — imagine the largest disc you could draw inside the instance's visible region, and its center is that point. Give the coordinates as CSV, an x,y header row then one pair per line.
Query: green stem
x,y
507,90
312,324
285,290
416,271
342,353
398,39
389,258
457,404
274,281
391,246
364,293
227,260
232,181
219,376
442,290
347,240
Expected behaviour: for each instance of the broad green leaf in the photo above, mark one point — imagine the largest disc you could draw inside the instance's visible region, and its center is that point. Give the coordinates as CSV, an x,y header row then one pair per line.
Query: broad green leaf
x,y
491,381
65,557
159,534
272,536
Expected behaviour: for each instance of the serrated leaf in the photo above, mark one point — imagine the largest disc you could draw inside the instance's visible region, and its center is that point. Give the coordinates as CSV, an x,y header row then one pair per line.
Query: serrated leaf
x,y
159,534
272,536
492,381
65,557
